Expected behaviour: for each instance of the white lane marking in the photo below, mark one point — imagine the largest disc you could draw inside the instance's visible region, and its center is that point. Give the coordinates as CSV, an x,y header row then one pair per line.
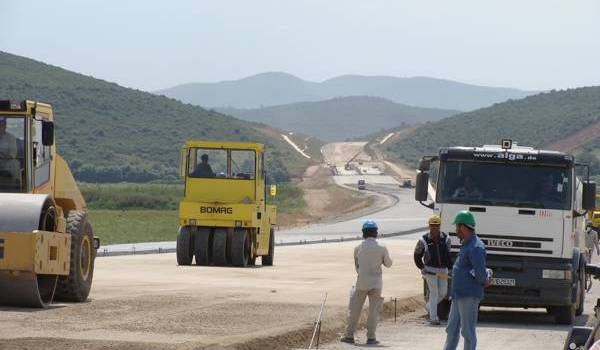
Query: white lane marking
x,y
287,139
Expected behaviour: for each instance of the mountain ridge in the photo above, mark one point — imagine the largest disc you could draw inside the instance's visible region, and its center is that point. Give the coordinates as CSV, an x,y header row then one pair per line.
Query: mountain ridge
x,y
278,88
340,118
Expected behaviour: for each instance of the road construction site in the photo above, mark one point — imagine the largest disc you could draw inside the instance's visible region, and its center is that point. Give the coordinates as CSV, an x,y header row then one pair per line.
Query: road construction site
x,y
497,329
148,302
147,299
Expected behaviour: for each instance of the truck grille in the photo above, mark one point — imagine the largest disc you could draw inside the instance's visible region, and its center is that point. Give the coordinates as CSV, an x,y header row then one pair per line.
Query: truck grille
x,y
513,244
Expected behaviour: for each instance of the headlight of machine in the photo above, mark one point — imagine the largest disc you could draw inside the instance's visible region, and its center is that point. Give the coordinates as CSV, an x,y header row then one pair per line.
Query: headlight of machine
x,y
557,274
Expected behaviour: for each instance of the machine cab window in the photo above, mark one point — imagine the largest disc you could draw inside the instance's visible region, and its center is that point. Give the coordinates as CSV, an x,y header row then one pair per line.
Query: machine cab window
x,y
41,155
222,163
12,154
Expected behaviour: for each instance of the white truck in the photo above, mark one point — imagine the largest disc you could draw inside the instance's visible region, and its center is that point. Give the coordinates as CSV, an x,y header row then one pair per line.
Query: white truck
x,y
529,207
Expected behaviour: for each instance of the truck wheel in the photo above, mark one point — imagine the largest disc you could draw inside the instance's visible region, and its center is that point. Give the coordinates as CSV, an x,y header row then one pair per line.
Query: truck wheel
x,y
240,248
203,246
76,286
184,246
564,314
267,260
219,247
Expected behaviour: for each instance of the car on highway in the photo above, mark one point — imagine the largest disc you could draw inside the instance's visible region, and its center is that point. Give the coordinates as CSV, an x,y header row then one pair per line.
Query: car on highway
x,y
362,185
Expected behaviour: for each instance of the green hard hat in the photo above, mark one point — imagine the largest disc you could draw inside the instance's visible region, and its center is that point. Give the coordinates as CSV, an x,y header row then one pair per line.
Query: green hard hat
x,y
466,218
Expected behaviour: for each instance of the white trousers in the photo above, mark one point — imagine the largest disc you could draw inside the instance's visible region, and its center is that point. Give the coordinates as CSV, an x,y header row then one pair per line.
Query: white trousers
x,y
438,288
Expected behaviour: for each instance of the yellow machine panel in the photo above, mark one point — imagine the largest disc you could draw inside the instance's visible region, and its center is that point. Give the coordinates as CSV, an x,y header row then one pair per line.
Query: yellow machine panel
x,y
40,252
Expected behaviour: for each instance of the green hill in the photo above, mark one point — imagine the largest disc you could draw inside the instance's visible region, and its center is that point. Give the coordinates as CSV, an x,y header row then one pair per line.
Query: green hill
x,y
340,118
109,133
564,120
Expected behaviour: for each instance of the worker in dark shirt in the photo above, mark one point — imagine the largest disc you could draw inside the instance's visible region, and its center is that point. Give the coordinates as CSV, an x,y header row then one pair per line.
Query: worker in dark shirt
x,y
203,169
432,257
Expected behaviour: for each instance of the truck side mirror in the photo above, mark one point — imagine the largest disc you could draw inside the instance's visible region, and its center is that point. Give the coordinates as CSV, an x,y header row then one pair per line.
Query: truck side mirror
x,y
589,195
47,133
273,190
422,186
424,165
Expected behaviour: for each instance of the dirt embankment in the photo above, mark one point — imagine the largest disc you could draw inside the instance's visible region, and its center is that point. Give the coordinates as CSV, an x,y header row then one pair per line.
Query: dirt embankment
x,y
324,199
576,140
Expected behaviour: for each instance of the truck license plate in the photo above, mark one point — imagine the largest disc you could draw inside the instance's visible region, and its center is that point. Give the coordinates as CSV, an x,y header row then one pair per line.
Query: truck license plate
x,y
510,282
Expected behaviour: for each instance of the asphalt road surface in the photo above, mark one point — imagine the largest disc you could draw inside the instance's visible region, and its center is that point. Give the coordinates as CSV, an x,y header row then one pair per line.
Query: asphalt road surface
x,y
403,216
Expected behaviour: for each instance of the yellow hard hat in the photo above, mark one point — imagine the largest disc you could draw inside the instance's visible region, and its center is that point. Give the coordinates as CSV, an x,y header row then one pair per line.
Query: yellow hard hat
x,y
435,220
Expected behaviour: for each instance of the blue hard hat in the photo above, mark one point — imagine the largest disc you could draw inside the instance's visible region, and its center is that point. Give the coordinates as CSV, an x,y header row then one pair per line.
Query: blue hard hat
x,y
369,224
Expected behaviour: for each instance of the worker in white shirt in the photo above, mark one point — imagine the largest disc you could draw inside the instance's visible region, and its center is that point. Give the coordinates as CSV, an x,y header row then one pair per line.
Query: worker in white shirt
x,y
369,256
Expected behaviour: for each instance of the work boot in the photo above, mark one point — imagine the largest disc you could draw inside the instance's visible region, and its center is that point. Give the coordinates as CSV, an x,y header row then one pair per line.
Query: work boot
x,y
372,341
347,340
434,322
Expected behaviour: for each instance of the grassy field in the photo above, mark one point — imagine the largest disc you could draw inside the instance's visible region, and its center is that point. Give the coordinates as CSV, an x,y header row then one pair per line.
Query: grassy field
x,y
126,196
131,213
289,198
133,226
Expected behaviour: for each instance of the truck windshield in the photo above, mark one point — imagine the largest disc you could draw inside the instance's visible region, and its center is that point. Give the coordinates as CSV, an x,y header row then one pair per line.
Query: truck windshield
x,y
12,135
501,184
222,163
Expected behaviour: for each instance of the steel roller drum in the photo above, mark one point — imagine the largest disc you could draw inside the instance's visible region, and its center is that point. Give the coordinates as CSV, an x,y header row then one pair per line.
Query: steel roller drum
x,y
21,213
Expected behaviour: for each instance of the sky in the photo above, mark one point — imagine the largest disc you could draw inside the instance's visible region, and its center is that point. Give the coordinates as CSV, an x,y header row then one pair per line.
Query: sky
x,y
150,45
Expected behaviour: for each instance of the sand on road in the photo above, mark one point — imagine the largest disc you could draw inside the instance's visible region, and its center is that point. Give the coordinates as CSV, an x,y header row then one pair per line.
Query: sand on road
x,y
148,302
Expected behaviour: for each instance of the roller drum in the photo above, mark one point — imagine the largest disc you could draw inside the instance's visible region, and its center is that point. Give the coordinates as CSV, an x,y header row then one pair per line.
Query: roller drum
x,y
26,289
22,213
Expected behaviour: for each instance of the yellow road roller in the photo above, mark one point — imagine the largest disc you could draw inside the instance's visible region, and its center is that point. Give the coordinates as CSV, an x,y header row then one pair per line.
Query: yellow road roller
x,y
47,248
224,218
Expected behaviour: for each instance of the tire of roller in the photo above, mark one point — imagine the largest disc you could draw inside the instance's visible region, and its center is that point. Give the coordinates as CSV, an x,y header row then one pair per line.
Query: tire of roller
x,y
184,250
76,286
240,248
267,260
203,246
219,247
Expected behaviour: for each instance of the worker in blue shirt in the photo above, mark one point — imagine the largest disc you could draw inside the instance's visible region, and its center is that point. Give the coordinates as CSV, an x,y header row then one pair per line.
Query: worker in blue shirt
x,y
469,277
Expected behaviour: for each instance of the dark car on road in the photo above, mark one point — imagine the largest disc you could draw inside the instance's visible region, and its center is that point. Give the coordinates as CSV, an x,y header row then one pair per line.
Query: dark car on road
x,y
362,185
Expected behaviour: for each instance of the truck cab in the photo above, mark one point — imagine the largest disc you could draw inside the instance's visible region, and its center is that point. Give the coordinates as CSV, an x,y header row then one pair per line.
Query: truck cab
x,y
529,207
